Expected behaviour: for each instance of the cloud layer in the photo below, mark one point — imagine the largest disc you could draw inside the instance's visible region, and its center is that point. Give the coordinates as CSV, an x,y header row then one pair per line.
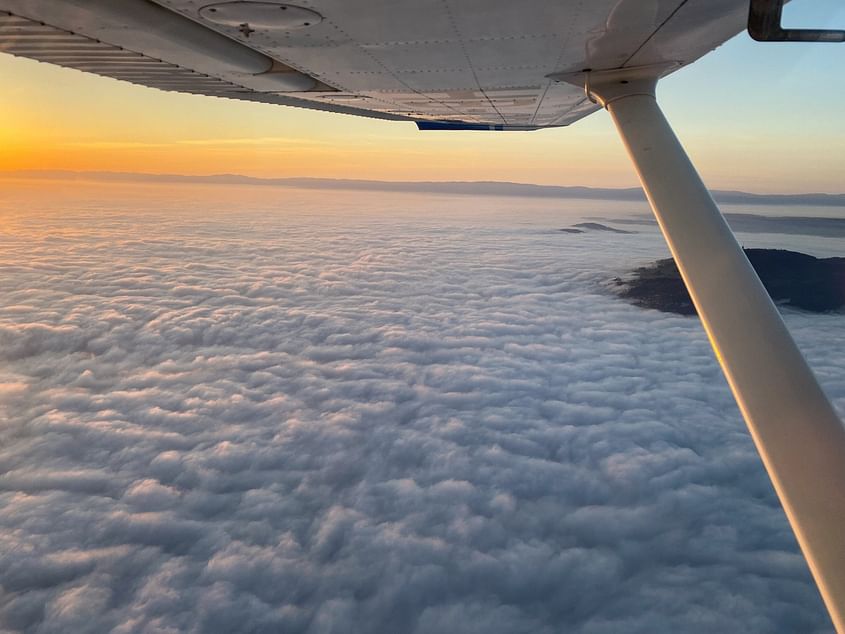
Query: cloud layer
x,y
396,414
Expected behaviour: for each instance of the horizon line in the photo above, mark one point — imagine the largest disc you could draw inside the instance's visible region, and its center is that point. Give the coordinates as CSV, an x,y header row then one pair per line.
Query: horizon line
x,y
474,187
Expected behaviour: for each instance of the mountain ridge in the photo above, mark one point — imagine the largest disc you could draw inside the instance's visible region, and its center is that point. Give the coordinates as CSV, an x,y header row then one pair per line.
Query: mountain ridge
x,y
476,188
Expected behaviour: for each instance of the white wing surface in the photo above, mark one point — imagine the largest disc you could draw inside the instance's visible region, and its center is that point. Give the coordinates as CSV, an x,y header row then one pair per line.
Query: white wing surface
x,y
461,63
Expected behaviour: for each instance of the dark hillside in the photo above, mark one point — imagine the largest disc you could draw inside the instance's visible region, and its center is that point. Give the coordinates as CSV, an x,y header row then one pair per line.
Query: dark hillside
x,y
792,279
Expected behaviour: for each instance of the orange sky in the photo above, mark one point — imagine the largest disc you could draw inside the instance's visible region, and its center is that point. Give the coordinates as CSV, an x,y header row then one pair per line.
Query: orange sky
x,y
745,114
64,119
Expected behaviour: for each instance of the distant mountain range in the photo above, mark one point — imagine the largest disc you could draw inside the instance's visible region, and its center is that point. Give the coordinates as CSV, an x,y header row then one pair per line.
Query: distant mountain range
x,y
474,188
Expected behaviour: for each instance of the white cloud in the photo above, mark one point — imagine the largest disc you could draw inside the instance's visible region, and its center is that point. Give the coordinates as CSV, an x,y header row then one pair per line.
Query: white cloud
x,y
223,420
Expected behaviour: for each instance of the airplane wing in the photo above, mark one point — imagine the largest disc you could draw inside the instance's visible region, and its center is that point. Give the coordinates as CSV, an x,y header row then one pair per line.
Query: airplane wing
x,y
447,63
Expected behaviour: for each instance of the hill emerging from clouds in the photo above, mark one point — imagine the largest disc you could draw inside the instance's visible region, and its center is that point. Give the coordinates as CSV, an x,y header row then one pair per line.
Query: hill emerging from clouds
x,y
792,279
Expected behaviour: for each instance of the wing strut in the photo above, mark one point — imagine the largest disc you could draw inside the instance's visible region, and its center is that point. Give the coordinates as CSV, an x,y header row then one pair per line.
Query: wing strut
x,y
794,426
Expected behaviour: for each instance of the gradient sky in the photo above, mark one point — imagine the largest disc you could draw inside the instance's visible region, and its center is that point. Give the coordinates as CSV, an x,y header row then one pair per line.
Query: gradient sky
x,y
757,117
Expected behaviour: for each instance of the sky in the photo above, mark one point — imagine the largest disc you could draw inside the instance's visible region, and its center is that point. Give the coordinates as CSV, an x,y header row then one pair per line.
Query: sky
x,y
756,117
229,410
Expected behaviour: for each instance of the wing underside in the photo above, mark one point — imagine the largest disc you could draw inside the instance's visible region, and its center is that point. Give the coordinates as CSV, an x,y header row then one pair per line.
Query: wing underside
x,y
485,63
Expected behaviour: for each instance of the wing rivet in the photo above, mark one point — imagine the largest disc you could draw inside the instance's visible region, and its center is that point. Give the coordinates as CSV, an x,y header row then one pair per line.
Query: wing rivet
x,y
260,16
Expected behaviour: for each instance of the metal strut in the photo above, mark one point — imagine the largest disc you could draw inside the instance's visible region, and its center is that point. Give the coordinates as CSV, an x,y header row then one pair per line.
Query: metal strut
x,y
794,426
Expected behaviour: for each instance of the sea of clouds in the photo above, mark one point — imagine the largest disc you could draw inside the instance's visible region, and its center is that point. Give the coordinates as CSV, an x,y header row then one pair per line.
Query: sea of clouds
x,y
230,411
